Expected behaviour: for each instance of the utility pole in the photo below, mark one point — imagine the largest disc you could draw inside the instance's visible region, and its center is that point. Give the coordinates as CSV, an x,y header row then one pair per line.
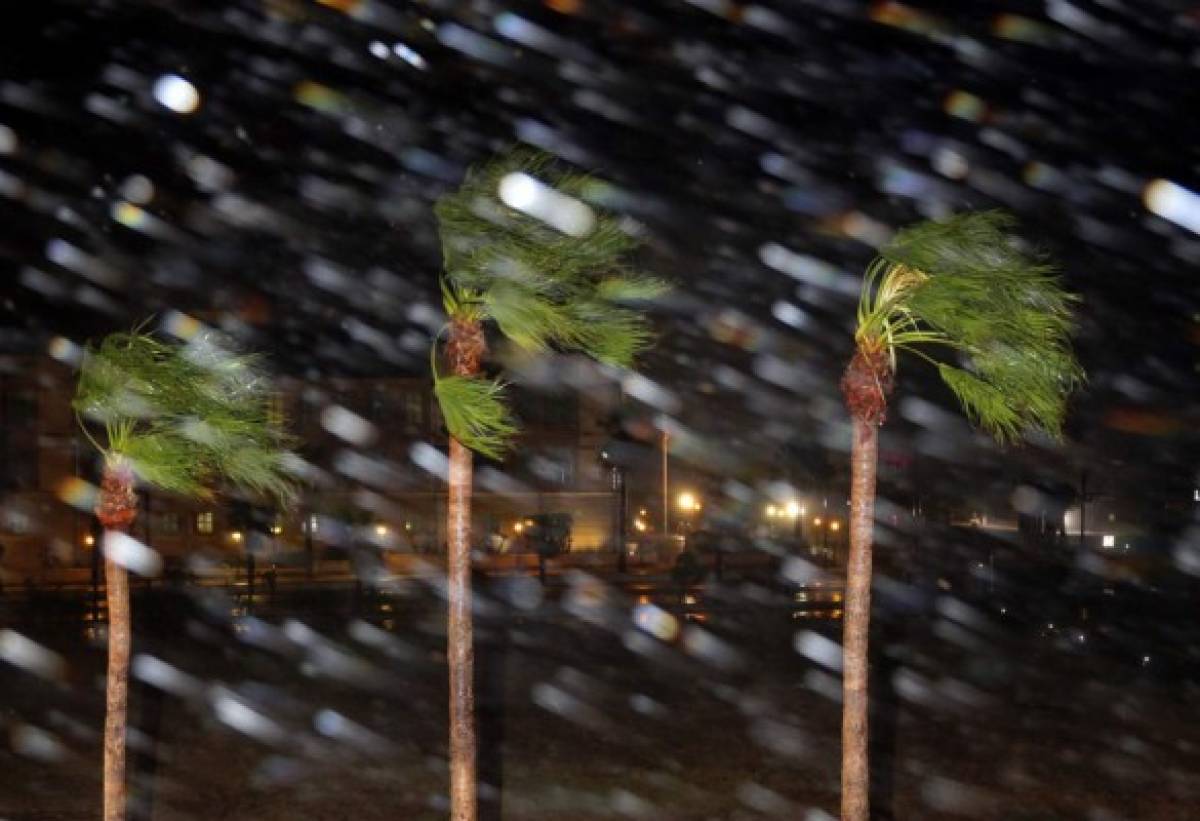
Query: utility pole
x,y
619,531
666,487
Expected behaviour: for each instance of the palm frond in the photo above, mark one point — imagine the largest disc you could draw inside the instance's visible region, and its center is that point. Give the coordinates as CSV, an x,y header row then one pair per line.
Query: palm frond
x,y
476,413
966,287
184,416
537,282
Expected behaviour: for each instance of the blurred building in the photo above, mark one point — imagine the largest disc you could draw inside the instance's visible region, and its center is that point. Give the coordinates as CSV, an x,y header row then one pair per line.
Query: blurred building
x,y
373,447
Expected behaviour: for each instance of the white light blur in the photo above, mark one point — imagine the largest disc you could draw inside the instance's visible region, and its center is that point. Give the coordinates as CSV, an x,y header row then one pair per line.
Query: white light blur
x,y
816,647
30,656
378,49
347,425
410,56
431,459
176,93
1109,540
8,140
138,189
132,554
1173,202
656,621
523,193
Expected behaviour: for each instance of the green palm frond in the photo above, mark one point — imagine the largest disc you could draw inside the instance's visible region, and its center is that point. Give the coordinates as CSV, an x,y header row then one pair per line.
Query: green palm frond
x,y
963,286
183,416
546,284
476,413
529,276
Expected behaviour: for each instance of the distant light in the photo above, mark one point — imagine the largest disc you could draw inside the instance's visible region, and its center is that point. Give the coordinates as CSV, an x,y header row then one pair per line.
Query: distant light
x,y
772,511
89,540
639,525
408,525
518,527
176,93
381,530
129,215
1109,540
378,49
835,526
1196,495
687,501
235,536
817,522
792,509
1173,202
965,105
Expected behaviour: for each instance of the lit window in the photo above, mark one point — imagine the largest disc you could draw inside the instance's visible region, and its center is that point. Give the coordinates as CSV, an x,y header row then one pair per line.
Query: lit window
x,y
204,522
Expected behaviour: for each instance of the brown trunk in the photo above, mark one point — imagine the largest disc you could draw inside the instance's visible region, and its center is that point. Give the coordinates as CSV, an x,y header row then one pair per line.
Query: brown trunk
x,y
460,650
116,509
856,623
116,693
465,349
866,386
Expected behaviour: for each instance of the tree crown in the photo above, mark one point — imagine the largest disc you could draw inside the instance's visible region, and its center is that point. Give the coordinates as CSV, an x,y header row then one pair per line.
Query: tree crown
x,y
526,247
964,286
181,416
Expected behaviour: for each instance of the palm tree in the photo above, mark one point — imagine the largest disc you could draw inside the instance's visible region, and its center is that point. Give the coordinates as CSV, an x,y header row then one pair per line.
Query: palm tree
x,y
960,286
176,417
522,250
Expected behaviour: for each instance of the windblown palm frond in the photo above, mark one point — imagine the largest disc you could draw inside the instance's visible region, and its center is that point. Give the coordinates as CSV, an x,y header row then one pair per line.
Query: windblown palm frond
x,y
528,247
964,285
525,244
476,414
184,415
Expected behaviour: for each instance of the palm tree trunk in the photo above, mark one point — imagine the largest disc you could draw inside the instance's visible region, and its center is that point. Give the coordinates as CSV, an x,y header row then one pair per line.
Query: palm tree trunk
x,y
460,638
116,691
465,349
856,623
116,508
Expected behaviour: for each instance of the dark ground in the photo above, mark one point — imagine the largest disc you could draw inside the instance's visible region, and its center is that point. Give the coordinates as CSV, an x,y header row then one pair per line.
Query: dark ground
x,y
331,705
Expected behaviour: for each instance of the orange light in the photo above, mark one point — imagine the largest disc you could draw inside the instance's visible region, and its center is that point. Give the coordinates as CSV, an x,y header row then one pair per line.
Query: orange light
x,y
835,526
89,540
817,522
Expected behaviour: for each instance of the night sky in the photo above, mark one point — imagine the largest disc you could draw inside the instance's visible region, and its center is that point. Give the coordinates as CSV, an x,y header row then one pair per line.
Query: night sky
x,y
765,150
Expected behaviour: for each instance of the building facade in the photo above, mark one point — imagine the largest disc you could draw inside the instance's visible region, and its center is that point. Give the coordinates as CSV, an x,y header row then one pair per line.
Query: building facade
x,y
372,453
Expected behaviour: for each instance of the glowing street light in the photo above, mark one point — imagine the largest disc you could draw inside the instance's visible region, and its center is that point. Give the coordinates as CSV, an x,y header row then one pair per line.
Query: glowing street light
x,y
688,502
772,511
236,537
792,509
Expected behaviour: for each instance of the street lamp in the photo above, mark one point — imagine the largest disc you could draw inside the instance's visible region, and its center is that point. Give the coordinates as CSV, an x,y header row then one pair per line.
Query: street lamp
x,y
688,505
